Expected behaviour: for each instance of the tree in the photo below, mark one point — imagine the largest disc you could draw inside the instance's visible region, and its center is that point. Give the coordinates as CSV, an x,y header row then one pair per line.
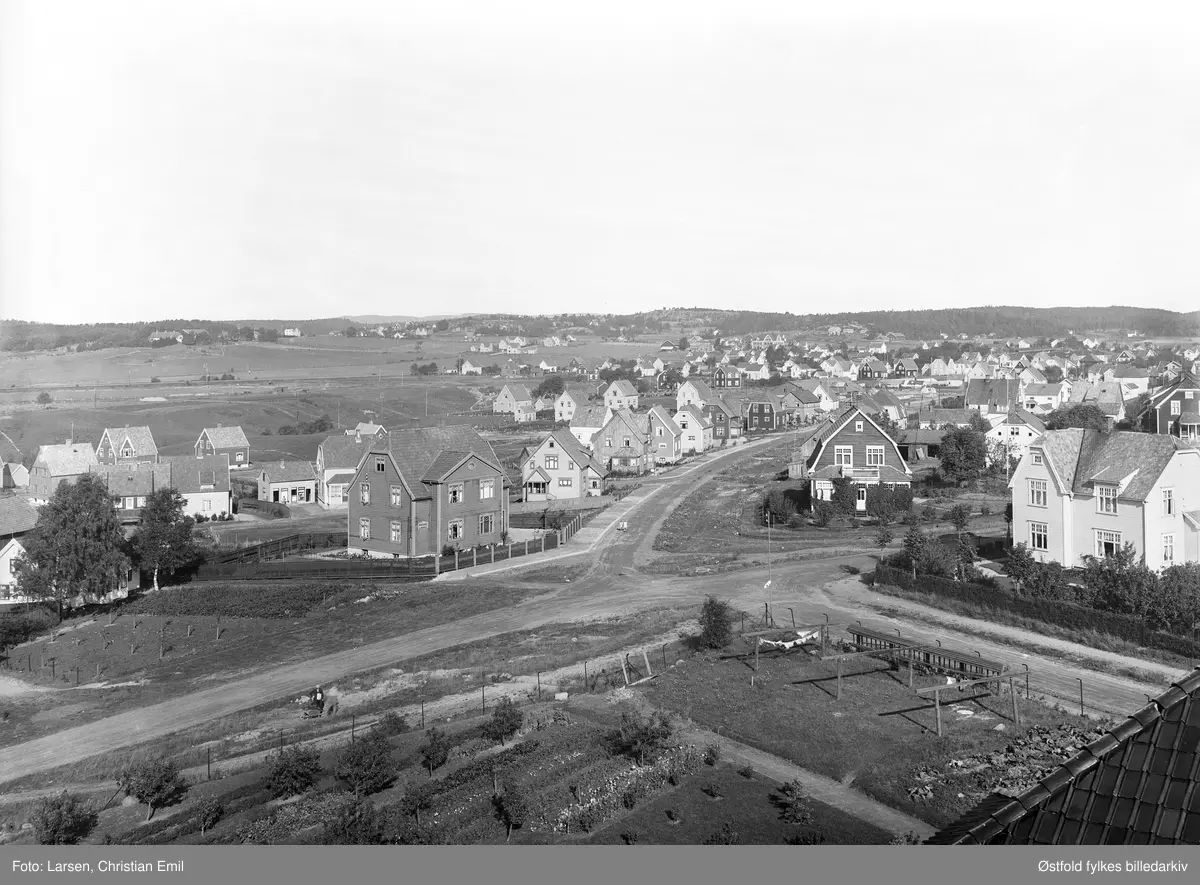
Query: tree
x,y
641,738
726,835
1087,416
512,807
367,764
682,344
414,369
44,399
351,332
1020,564
63,819
417,798
441,325
1122,583
1179,590
210,812
163,539
882,538
76,547
779,505
960,516
505,722
914,546
844,497
1054,374
963,454
436,749
156,782
823,513
551,387
965,555
716,623
293,771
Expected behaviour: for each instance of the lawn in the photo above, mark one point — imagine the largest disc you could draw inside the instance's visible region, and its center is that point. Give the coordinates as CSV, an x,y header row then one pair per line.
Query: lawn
x,y
750,804
880,736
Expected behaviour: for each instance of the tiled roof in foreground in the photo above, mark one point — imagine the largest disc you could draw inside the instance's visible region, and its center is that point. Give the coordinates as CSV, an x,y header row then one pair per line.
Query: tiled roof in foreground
x,y
1139,784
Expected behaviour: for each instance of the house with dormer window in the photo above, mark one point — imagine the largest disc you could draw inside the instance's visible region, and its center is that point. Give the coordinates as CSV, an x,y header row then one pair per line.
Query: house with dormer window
x,y
560,468
623,444
695,429
855,447
666,437
126,445
1087,493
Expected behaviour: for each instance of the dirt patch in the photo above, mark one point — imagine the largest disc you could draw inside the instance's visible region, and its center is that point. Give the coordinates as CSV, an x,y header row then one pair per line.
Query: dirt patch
x,y
57,714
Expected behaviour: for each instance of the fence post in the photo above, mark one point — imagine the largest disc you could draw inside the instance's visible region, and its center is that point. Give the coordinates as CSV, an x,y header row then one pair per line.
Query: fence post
x,y
493,549
539,679
646,658
422,715
526,546
351,729
474,556
510,549
1080,681
937,709
483,698
209,763
543,543
456,559
839,677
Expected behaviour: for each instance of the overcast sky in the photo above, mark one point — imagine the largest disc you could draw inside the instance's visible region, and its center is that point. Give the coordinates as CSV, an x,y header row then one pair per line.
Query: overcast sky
x,y
285,158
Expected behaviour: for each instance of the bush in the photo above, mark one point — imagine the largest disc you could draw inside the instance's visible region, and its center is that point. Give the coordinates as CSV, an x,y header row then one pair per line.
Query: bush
x,y
505,722
359,824
641,739
712,753
436,749
211,810
44,398
156,782
716,623
726,835
367,764
747,771
293,772
391,724
62,820
155,380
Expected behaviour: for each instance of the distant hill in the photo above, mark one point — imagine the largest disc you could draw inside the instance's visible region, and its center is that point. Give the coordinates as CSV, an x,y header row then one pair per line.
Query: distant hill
x,y
380,319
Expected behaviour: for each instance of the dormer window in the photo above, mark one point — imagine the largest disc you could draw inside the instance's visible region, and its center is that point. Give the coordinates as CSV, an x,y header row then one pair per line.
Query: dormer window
x,y
1106,499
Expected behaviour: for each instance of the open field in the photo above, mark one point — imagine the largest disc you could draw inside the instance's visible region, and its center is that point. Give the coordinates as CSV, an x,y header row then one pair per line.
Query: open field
x,y
880,736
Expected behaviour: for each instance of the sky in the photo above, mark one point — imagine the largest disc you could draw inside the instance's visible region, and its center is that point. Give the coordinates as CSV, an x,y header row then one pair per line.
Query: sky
x,y
298,159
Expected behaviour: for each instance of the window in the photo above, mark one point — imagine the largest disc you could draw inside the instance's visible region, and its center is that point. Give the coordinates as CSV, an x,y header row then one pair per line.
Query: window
x,y
456,493
1039,536
487,523
454,530
240,456
380,464
858,426
397,531
1189,394
206,506
364,529
1037,493
1037,457
1168,502
1107,543
552,462
1168,550
843,456
570,465
364,492
628,442
397,495
128,503
1176,406
1014,431
564,481
141,502
1106,499
608,441
659,431
487,488
874,456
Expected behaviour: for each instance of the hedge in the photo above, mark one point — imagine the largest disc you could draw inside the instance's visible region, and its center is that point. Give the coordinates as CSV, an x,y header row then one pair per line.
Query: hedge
x,y
1062,614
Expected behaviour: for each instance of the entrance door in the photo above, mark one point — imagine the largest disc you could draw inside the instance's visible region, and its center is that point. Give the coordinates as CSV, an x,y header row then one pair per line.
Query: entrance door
x,y
860,498
275,495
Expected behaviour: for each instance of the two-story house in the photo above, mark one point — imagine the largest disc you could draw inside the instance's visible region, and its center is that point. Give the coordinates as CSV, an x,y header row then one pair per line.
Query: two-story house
x,y
726,376
229,441
725,419
997,396
126,445
693,392
696,429
666,437
1012,436
621,394
131,483
513,398
623,445
58,463
1087,493
588,421
421,489
1175,410
571,399
855,447
203,482
337,459
560,468
762,411
1107,396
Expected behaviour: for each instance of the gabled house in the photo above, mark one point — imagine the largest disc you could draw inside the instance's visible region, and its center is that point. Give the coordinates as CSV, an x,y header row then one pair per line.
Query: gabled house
x,y
1087,493
855,447
568,402
726,421
870,369
761,410
801,405
55,464
366,429
470,368
726,376
757,371
420,490
588,421
992,397
666,437
229,441
511,398
557,468
695,428
1133,380
1175,410
132,483
1012,436
621,394
126,445
13,476
17,518
693,392
203,482
337,459
1105,395
1045,398
623,445
288,482
906,368
822,390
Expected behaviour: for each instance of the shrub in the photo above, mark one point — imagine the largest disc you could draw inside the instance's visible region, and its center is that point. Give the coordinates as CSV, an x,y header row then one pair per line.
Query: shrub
x,y
823,514
367,764
44,398
436,749
505,722
631,837
62,820
641,739
726,835
716,623
156,782
391,724
358,824
512,807
985,510
293,771
155,380
211,810
747,771
712,753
